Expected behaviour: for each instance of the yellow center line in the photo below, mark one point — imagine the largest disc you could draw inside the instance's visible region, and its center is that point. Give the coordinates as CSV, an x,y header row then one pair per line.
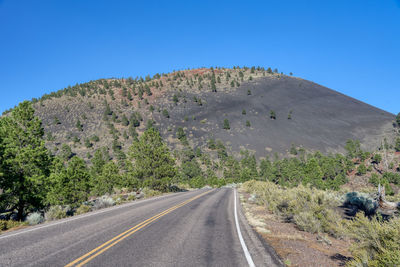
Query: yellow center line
x,y
90,255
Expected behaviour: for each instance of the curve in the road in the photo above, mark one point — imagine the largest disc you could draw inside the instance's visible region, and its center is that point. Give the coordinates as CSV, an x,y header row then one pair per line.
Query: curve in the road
x,y
105,246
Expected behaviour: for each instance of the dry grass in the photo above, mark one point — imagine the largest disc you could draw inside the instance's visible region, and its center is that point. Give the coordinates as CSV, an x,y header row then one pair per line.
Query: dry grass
x,y
376,242
312,210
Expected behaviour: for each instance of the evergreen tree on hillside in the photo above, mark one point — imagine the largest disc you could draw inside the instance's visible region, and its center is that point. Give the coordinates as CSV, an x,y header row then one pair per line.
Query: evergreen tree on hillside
x,y
69,185
226,125
25,161
107,180
98,161
272,115
124,120
153,162
397,144
398,119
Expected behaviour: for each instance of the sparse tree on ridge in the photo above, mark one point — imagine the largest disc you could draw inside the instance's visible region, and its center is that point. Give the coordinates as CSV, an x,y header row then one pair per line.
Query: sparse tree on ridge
x,y
226,124
272,115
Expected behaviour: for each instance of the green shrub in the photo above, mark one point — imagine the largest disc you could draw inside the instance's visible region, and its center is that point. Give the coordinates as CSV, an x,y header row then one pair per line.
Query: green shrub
x,y
150,192
9,224
377,241
3,225
55,213
131,197
312,210
82,209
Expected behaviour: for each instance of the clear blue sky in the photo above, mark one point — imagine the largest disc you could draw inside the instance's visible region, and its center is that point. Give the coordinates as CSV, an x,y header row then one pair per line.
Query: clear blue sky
x,y
352,46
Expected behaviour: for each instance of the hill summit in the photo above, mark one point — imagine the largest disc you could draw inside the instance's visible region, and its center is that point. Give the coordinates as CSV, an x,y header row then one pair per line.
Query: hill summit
x,y
256,109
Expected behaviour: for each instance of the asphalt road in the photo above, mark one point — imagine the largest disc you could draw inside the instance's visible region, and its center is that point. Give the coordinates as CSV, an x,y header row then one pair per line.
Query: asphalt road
x,y
196,228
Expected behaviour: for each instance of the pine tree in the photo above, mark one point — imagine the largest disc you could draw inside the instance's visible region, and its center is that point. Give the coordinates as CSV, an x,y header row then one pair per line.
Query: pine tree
x,y
130,98
153,161
175,99
69,185
124,120
107,180
397,144
66,152
290,115
226,124
25,162
98,161
165,113
272,115
79,125
398,119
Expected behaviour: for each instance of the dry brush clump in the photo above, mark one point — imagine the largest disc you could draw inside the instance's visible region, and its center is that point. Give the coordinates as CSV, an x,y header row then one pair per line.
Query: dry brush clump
x,y
377,241
311,209
9,224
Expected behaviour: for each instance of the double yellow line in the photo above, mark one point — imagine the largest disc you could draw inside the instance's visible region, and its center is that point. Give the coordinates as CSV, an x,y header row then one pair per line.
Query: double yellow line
x,y
110,243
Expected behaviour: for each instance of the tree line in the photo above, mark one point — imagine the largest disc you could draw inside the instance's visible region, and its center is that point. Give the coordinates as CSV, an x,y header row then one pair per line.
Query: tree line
x,y
31,178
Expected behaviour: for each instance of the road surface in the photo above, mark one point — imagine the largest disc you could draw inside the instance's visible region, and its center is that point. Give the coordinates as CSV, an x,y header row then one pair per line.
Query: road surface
x,y
196,228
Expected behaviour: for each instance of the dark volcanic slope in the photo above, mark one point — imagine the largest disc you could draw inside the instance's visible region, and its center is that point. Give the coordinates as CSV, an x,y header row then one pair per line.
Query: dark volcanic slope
x,y
322,119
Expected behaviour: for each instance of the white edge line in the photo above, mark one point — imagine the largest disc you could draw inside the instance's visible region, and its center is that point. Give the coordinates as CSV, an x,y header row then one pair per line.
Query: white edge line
x,y
77,217
244,247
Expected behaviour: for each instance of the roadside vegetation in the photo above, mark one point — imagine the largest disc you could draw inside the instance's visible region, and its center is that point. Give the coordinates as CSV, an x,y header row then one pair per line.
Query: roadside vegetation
x,y
376,240
41,182
38,186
